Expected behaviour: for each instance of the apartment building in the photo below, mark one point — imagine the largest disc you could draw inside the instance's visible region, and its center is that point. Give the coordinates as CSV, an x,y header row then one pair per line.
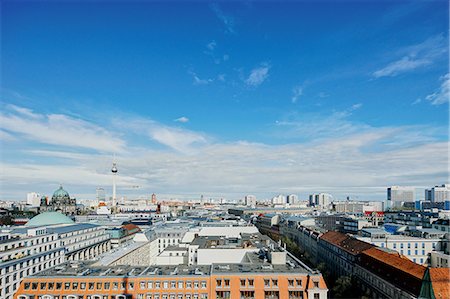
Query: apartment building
x,y
24,254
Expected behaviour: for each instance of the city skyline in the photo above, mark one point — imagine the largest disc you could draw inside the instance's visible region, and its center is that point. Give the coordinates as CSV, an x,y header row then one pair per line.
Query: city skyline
x,y
224,99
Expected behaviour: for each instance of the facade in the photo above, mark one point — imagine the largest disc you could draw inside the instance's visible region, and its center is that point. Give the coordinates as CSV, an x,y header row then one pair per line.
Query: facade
x,y
250,200
292,199
416,249
438,193
397,196
320,200
26,253
33,199
267,272
80,241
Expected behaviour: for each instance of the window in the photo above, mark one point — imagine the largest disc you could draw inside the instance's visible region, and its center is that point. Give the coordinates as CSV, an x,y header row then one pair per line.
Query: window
x,y
242,282
142,285
316,296
66,285
274,282
299,282
106,286
266,282
395,245
149,284
75,285
180,284
91,286
226,282
316,284
203,284
43,286
290,282
26,286
165,285
58,285
188,284
173,284
219,282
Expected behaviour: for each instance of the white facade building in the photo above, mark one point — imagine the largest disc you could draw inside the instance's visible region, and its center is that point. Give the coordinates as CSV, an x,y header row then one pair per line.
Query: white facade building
x,y
26,252
292,199
33,199
416,249
250,200
398,195
320,200
279,200
438,193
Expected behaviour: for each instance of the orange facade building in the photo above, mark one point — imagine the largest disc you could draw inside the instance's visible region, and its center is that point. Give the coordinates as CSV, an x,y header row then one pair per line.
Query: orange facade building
x,y
241,281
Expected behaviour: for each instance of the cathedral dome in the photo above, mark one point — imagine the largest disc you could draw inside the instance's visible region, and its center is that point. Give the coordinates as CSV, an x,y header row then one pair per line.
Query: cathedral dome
x,y
49,218
60,195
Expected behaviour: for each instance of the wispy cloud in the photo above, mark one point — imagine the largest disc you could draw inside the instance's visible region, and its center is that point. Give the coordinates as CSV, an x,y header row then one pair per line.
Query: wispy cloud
x,y
297,93
335,152
442,95
182,119
415,57
211,45
198,81
227,20
258,75
58,129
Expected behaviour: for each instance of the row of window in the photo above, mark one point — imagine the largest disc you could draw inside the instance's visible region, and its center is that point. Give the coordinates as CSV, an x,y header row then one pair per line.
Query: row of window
x,y
143,285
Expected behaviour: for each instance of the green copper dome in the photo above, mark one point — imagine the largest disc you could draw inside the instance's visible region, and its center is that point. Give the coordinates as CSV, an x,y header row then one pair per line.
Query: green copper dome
x,y
49,218
60,193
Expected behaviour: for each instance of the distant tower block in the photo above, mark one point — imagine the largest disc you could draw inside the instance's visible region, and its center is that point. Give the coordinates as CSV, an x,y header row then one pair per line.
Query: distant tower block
x,y
154,200
114,172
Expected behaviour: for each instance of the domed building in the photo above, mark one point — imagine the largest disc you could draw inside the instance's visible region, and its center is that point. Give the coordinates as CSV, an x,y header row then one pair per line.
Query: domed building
x,y
61,202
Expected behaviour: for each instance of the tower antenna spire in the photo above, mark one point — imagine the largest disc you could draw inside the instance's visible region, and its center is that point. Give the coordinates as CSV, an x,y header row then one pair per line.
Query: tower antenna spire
x,y
114,173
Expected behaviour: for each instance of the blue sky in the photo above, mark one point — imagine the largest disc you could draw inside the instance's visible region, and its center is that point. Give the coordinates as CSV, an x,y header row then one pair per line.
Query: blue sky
x,y
224,99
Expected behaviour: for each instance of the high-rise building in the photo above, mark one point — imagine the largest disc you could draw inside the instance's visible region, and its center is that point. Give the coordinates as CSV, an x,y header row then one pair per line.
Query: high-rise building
x,y
292,199
438,193
279,200
33,199
320,200
100,194
398,195
250,200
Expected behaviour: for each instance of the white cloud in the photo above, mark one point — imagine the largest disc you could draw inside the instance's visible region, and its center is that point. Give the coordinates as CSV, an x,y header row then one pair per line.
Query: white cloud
x,y
356,106
227,20
334,154
415,57
182,119
297,93
198,81
258,75
211,45
59,130
442,95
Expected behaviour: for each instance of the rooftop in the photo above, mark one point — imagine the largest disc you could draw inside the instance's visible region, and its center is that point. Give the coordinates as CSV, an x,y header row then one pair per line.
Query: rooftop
x,y
49,218
397,261
440,281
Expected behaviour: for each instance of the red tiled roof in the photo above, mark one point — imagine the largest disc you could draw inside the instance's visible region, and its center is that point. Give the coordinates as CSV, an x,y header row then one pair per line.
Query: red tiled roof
x,y
131,227
347,243
395,260
334,237
440,281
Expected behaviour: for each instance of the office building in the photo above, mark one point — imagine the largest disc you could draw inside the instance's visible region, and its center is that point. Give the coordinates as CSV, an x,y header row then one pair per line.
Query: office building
x,y
438,193
397,196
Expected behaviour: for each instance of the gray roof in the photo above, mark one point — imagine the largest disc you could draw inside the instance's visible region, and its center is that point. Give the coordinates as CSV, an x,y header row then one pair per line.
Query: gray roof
x,y
71,228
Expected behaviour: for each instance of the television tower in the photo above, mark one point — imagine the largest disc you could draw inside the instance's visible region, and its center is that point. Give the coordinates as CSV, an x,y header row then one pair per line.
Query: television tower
x,y
114,172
